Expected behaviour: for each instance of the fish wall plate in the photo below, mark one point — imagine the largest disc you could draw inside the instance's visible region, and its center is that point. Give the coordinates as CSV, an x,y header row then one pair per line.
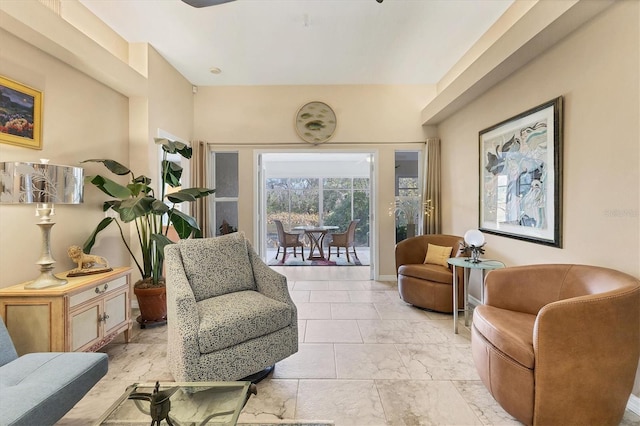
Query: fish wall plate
x,y
315,122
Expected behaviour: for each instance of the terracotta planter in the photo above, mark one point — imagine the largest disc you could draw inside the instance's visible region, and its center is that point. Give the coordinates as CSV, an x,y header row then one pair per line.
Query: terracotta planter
x,y
153,305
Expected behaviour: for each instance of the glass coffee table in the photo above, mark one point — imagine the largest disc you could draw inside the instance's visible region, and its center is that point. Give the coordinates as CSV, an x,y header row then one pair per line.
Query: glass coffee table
x,y
194,403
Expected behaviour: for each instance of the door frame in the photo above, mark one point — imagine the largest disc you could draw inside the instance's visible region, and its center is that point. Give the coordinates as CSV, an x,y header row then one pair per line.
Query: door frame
x,y
259,212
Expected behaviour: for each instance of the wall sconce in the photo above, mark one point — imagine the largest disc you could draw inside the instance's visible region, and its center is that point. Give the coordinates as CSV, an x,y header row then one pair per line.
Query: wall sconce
x,y
473,243
44,185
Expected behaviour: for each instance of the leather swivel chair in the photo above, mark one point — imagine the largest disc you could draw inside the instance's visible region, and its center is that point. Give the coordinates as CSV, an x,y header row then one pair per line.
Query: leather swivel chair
x,y
426,285
559,344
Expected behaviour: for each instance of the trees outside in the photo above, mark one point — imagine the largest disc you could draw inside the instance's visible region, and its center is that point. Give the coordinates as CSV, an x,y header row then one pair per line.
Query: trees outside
x,y
297,201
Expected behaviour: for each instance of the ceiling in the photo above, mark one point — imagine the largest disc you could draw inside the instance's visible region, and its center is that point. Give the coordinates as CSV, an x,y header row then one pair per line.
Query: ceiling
x,y
305,42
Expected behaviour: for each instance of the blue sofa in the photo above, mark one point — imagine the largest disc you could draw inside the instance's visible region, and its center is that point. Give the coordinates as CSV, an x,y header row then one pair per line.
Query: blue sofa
x,y
40,388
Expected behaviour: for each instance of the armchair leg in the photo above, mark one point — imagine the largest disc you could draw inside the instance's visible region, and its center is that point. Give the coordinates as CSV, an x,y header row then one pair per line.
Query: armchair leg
x,y
260,375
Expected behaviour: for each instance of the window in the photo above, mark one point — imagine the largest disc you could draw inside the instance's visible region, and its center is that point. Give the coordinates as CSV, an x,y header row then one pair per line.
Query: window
x,y
224,202
408,197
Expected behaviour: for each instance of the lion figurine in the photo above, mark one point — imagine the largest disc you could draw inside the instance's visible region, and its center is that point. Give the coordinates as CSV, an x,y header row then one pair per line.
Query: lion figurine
x,y
87,263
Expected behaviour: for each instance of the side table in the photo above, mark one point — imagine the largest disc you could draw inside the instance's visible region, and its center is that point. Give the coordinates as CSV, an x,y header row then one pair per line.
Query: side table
x,y
468,265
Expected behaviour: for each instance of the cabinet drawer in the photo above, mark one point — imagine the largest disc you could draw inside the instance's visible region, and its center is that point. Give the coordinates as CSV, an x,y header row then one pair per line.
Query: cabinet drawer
x,y
97,290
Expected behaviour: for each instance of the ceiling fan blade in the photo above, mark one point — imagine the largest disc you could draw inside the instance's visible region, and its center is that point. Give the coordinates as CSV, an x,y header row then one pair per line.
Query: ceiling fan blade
x,y
205,3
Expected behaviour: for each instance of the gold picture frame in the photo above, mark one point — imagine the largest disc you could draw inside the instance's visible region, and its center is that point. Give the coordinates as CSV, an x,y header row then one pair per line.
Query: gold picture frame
x,y
20,114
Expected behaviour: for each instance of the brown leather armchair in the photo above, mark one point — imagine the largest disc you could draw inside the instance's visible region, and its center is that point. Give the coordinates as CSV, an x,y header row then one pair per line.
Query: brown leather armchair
x,y
559,344
425,285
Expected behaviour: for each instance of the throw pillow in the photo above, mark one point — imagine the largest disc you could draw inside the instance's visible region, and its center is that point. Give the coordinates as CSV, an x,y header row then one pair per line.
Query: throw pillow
x,y
438,255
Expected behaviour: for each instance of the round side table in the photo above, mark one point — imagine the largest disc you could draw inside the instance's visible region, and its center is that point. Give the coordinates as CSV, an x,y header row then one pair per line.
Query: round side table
x,y
468,265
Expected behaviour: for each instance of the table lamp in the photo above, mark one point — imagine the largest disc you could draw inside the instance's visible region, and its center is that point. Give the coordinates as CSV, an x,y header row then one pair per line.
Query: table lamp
x,y
474,241
44,185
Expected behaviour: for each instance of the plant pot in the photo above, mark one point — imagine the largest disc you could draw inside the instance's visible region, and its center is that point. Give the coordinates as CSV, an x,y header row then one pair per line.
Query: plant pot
x,y
152,302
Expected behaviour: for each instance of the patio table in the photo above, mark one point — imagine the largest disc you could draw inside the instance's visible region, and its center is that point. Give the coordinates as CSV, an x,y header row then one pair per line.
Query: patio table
x,y
316,235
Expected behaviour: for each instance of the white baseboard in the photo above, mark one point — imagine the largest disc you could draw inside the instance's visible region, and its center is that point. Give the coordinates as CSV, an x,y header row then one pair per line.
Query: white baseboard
x,y
634,404
387,278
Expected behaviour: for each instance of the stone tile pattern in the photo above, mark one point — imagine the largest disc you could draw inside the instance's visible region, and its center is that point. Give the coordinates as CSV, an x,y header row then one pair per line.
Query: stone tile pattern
x,y
365,358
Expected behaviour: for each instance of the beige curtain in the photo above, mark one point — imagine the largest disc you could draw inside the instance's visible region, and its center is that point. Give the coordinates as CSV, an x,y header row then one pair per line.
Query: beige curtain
x,y
199,180
433,215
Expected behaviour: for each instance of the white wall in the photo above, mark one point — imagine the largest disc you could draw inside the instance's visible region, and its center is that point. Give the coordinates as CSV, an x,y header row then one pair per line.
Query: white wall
x,y
380,118
596,70
82,119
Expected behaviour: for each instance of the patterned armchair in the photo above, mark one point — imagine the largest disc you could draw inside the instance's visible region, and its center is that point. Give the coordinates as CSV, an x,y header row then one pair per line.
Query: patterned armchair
x,y
229,315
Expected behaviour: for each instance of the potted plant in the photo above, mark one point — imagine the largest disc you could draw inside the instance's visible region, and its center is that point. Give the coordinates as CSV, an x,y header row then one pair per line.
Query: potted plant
x,y
152,216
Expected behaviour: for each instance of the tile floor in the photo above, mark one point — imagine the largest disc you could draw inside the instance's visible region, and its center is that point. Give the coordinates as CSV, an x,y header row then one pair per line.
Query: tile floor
x,y
365,358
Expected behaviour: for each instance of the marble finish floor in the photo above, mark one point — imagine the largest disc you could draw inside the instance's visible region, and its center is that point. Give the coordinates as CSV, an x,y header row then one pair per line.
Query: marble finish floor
x,y
365,358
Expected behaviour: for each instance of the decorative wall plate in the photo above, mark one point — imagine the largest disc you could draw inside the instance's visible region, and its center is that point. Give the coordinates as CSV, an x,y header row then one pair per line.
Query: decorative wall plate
x,y
315,122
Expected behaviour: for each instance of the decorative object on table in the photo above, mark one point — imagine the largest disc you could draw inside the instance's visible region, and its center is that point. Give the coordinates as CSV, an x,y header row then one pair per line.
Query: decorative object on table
x,y
472,245
152,216
160,403
88,264
521,176
20,115
45,185
315,122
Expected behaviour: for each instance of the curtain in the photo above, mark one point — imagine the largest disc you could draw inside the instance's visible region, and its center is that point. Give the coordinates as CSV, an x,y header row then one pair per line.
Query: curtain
x,y
431,196
199,180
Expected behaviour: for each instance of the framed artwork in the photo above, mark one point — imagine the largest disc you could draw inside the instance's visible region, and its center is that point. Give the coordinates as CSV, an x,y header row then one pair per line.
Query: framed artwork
x,y
20,114
521,176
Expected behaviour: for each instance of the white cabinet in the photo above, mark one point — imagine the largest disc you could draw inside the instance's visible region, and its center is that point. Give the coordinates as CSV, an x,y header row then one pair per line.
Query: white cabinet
x,y
83,315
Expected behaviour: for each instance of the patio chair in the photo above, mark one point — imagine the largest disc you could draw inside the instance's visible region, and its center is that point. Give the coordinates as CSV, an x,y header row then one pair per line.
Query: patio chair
x,y
346,239
286,240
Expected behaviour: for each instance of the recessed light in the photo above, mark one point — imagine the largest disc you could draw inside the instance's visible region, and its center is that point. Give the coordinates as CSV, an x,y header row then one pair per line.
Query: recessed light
x,y
215,70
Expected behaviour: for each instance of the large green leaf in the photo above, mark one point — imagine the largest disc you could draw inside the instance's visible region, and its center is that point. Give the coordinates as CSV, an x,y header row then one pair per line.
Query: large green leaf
x,y
88,244
180,196
109,187
113,166
184,224
173,147
138,188
134,208
172,172
158,207
111,204
198,192
161,242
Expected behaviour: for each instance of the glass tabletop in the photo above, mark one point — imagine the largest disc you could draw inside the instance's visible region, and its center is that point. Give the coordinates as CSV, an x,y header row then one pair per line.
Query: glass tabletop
x,y
194,403
466,262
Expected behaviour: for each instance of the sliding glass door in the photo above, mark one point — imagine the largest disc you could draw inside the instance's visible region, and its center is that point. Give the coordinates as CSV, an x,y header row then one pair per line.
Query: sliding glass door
x,y
303,189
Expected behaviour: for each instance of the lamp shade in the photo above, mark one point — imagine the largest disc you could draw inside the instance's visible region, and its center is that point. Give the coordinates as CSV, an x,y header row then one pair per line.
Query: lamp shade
x,y
473,237
29,183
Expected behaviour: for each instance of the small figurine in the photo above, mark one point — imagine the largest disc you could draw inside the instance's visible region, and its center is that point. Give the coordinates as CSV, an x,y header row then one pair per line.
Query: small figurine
x,y
160,403
87,263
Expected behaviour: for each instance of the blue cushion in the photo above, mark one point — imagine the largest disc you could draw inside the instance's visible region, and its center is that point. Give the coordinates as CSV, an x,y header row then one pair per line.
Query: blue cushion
x,y
7,350
40,388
